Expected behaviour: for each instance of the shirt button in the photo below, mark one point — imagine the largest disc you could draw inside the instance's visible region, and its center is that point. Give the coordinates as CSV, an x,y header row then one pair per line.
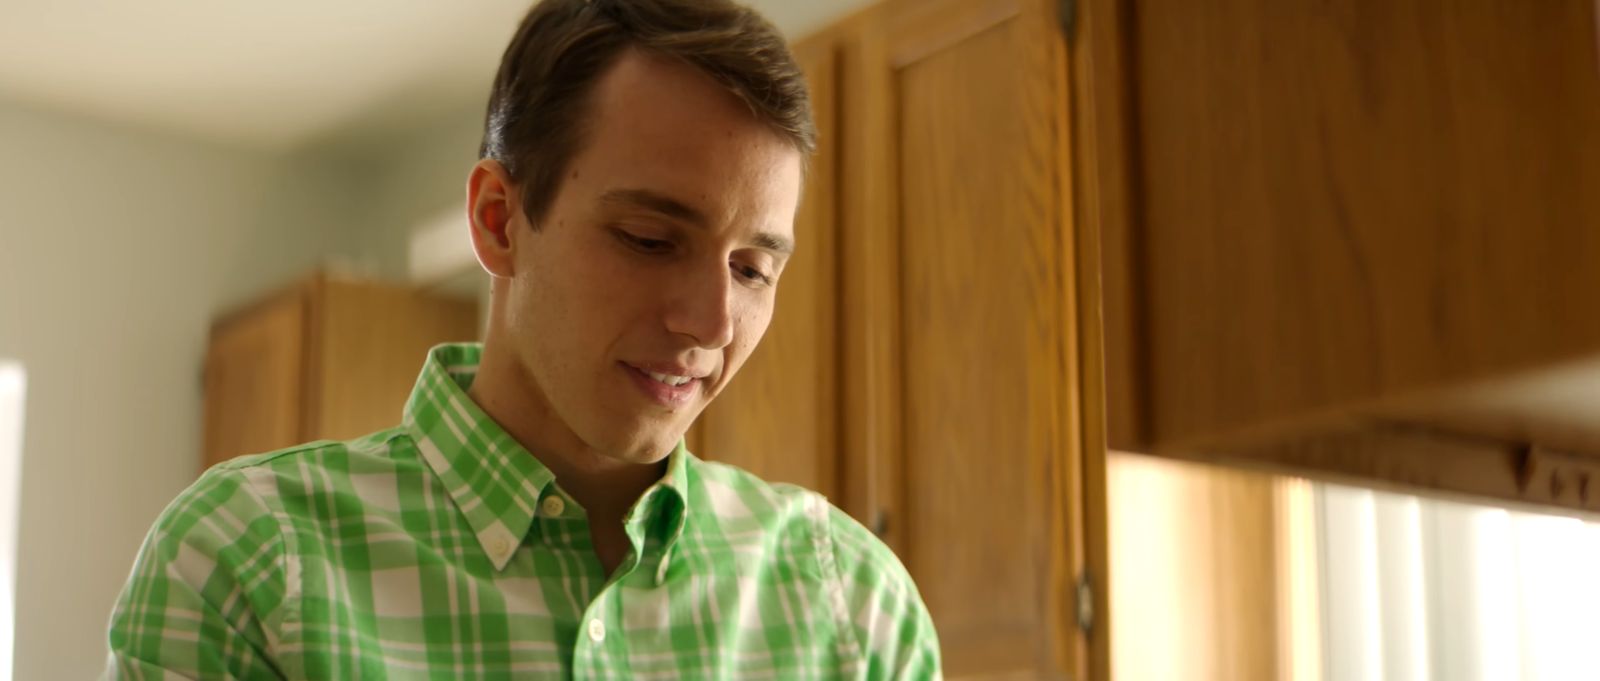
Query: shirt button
x,y
499,547
597,630
552,506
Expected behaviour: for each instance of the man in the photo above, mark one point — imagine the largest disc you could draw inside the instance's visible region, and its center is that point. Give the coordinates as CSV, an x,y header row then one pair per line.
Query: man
x,y
536,514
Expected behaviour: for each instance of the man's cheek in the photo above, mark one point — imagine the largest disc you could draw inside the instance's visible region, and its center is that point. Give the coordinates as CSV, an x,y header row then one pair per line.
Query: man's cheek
x,y
735,358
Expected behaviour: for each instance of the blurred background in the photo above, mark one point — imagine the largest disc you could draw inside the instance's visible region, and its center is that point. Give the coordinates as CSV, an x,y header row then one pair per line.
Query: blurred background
x,y
1161,340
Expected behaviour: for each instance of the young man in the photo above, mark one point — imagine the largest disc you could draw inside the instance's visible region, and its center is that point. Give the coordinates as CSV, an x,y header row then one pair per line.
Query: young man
x,y
536,514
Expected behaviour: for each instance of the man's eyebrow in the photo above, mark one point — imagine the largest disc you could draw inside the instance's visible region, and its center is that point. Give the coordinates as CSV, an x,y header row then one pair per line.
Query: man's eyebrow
x,y
773,242
656,203
665,205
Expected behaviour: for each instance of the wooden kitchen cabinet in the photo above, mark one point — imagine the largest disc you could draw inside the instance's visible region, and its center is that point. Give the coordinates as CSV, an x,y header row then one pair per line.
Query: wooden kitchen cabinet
x,y
964,257
329,358
1355,239
254,380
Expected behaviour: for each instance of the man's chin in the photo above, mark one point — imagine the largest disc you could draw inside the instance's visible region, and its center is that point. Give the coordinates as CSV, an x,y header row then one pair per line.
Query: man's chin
x,y
643,448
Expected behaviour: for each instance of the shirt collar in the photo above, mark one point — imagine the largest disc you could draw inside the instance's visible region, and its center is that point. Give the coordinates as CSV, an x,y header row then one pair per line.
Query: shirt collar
x,y
493,480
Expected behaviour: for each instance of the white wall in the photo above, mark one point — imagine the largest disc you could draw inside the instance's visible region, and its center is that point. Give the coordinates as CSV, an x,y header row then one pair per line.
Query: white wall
x,y
413,175
117,247
411,179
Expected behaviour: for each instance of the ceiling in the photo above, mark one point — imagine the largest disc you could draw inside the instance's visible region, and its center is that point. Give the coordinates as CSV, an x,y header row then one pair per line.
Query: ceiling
x,y
274,75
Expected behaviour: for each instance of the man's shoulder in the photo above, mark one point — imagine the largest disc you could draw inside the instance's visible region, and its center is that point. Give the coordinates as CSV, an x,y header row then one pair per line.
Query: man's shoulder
x,y
742,500
869,588
377,452
281,481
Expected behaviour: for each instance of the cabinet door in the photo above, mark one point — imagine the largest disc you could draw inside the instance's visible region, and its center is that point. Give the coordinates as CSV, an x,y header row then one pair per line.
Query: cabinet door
x,y
961,351
1348,204
369,341
254,376
778,417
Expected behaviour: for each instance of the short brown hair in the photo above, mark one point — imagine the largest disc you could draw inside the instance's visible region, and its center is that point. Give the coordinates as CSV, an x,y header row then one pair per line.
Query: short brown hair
x,y
537,107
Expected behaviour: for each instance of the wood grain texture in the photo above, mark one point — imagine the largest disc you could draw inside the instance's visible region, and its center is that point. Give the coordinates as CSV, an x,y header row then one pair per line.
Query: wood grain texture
x,y
873,484
1105,158
368,344
254,377
1099,189
1344,203
1196,554
779,417
985,355
1081,554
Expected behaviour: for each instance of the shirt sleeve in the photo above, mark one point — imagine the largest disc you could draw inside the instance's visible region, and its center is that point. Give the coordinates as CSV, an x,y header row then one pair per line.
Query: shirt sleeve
x,y
889,618
204,589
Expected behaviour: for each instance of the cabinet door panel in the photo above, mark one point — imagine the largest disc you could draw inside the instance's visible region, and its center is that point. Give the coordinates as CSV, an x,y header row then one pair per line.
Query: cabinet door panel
x,y
369,343
985,369
1343,202
254,380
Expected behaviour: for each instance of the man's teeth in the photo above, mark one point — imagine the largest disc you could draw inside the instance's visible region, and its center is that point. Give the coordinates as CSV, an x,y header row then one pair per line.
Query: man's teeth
x,y
669,379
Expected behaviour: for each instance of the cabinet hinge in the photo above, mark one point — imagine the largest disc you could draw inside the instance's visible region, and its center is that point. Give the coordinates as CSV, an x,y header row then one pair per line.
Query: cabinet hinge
x,y
1085,604
1068,9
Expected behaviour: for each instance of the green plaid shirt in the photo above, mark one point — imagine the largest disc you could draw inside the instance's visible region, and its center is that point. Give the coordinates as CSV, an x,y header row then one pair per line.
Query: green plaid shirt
x,y
441,549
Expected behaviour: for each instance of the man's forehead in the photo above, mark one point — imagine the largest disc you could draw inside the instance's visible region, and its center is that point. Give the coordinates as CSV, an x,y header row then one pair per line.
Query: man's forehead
x,y
648,101
645,86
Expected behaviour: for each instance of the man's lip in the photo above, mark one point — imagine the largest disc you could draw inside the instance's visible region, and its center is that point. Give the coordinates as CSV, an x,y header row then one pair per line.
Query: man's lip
x,y
670,396
668,369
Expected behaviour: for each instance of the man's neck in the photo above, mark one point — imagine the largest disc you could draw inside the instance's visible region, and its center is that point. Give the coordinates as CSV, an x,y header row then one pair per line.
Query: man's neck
x,y
604,486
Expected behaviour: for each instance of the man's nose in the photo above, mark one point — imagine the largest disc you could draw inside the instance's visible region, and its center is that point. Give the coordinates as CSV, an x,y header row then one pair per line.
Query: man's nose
x,y
702,308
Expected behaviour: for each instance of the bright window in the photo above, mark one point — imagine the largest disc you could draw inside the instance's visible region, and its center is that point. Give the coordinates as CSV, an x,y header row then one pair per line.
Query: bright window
x,y
1417,588
13,384
1216,571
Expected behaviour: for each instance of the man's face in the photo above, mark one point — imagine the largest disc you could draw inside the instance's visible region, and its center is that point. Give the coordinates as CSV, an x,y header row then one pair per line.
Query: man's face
x,y
651,277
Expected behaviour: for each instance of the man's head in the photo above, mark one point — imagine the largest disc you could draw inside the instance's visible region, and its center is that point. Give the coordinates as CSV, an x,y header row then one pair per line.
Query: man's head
x,y
642,162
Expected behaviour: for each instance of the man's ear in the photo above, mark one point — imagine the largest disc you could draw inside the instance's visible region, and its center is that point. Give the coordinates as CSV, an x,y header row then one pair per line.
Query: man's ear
x,y
492,206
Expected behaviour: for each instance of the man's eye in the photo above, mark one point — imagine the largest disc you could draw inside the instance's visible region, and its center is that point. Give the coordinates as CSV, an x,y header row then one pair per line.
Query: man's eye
x,y
644,244
752,274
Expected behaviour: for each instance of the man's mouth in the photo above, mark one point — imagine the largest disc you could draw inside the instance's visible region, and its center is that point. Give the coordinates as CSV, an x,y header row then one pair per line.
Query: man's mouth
x,y
669,385
668,379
